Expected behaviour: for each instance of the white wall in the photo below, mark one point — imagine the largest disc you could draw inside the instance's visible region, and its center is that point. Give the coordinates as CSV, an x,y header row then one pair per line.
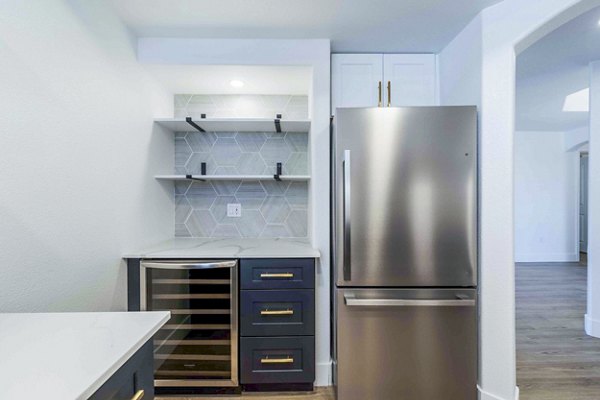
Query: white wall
x,y
592,316
546,198
577,138
78,152
460,67
506,28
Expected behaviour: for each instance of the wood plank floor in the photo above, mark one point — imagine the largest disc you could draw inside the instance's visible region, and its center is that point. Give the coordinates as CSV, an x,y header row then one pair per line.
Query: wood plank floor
x,y
318,394
555,359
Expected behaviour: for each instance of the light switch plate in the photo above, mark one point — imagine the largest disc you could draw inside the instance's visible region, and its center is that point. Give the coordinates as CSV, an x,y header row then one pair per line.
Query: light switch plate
x,y
234,210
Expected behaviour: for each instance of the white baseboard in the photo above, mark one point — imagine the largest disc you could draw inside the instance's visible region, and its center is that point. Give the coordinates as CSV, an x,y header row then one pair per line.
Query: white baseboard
x,y
323,374
554,257
483,395
592,326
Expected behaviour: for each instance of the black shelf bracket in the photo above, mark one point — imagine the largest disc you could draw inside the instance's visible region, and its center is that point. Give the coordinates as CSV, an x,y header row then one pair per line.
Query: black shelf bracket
x,y
277,176
278,123
191,178
202,172
195,125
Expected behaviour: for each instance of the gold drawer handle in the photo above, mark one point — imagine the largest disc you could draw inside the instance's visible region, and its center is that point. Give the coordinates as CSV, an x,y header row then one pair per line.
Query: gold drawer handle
x,y
139,395
276,312
287,360
283,275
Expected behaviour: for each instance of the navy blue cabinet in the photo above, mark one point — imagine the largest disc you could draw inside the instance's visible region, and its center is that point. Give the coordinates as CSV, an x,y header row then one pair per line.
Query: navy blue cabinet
x,y
278,359
277,322
275,273
277,312
134,379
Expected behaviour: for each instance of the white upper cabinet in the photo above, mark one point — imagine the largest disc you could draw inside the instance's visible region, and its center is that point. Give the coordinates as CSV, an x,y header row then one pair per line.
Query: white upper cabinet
x,y
411,78
356,80
371,80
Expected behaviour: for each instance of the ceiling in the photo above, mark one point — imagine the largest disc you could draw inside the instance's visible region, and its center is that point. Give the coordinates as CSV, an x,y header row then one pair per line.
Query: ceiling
x,y
553,68
216,79
423,26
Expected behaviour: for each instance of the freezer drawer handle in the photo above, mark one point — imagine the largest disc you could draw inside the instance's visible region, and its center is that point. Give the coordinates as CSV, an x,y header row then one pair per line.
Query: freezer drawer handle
x,y
276,312
352,301
189,265
287,360
285,275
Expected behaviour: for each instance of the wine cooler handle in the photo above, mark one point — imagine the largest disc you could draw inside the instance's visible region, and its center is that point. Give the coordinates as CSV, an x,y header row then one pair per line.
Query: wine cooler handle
x,y
189,265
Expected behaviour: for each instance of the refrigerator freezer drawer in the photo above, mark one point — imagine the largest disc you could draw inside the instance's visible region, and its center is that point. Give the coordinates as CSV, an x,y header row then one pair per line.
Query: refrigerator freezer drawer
x,y
395,344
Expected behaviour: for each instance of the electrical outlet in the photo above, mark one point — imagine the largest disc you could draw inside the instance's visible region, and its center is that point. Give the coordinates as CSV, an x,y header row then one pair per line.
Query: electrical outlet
x,y
234,210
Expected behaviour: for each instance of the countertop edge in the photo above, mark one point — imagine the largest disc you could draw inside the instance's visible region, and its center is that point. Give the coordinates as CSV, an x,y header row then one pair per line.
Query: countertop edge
x,y
315,254
123,359
192,248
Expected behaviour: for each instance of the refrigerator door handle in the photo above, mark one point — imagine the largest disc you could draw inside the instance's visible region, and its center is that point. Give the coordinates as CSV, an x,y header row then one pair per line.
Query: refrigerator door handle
x,y
352,301
347,215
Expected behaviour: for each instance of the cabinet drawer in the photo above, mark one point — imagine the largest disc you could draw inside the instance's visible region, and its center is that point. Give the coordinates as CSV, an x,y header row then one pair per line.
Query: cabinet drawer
x,y
274,273
277,312
277,360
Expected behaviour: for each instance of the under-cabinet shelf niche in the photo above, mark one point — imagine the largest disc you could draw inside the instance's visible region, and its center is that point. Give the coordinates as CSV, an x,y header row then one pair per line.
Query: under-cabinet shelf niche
x,y
251,150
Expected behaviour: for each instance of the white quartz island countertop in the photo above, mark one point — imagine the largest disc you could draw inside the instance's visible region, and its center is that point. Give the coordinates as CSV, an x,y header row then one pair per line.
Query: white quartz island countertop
x,y
66,356
229,248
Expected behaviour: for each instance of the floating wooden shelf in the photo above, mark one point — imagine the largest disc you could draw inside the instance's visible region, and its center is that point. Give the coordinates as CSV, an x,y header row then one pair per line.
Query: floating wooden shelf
x,y
234,125
232,177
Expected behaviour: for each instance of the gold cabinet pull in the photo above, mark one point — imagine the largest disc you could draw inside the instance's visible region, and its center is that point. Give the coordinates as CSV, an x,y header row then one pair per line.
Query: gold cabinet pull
x,y
379,98
287,360
139,395
389,87
283,275
276,312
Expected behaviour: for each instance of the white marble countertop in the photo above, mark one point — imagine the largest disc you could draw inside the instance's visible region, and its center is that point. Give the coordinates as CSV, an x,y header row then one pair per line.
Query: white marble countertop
x,y
66,356
229,248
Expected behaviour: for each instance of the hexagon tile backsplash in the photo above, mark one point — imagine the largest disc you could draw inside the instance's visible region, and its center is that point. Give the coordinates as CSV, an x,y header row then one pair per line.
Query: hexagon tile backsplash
x,y
270,209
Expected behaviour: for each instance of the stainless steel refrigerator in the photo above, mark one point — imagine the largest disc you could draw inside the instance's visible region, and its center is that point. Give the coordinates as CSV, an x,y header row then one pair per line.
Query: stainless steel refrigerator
x,y
404,229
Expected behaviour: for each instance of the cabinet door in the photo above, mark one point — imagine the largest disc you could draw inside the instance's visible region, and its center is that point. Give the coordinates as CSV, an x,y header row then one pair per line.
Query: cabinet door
x,y
412,79
355,80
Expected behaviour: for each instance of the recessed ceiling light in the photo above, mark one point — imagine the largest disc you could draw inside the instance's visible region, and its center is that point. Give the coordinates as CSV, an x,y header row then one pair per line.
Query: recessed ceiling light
x,y
578,101
236,83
